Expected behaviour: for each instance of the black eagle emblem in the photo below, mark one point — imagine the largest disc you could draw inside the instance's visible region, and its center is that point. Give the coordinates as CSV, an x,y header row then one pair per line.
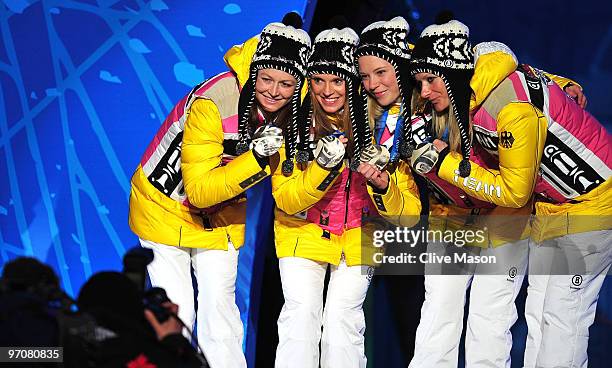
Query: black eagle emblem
x,y
506,139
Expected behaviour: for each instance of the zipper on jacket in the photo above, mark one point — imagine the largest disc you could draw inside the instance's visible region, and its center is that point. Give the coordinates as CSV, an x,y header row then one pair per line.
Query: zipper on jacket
x,y
347,189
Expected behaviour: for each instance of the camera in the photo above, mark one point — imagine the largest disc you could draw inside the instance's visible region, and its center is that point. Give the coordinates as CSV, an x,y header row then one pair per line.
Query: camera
x,y
135,264
153,300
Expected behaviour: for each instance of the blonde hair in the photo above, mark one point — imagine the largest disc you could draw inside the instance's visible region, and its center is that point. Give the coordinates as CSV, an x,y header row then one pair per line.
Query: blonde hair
x,y
441,121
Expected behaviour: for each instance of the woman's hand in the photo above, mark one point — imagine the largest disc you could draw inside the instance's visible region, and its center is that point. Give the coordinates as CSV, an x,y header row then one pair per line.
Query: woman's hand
x,y
379,179
440,145
344,140
170,326
577,94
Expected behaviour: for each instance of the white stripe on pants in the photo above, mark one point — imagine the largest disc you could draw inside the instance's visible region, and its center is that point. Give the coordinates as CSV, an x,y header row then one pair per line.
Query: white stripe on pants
x,y
571,299
300,320
220,329
492,308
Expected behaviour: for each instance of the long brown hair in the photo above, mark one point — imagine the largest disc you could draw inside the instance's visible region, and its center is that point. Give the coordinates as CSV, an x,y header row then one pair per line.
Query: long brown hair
x,y
324,123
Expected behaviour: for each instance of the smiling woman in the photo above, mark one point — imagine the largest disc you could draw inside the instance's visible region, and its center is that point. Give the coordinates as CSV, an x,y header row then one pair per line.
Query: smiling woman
x,y
329,91
379,79
330,110
319,218
383,56
188,201
274,89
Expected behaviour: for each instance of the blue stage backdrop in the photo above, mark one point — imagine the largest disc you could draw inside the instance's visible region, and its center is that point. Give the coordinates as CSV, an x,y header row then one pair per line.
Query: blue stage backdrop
x,y
84,87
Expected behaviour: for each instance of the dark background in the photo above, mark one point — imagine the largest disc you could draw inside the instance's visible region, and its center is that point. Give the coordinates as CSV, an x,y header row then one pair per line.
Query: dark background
x,y
569,38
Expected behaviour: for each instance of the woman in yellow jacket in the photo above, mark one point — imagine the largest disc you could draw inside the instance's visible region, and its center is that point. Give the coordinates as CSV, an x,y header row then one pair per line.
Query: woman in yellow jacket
x,y
188,199
386,76
383,54
320,218
533,140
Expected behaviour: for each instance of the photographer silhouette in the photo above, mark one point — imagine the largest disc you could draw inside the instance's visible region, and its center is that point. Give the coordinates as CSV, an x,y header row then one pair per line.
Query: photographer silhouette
x,y
126,331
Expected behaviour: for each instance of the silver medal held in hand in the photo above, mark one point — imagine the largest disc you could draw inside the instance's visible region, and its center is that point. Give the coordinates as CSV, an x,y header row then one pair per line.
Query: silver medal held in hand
x,y
424,158
267,140
376,155
329,152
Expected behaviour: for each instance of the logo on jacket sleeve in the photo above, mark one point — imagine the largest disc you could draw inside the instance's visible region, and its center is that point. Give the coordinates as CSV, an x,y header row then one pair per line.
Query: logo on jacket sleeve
x,y
506,139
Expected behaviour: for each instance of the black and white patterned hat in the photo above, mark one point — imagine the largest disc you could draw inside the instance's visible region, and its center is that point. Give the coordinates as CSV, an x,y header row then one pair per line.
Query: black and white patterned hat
x,y
389,41
445,50
333,53
284,48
